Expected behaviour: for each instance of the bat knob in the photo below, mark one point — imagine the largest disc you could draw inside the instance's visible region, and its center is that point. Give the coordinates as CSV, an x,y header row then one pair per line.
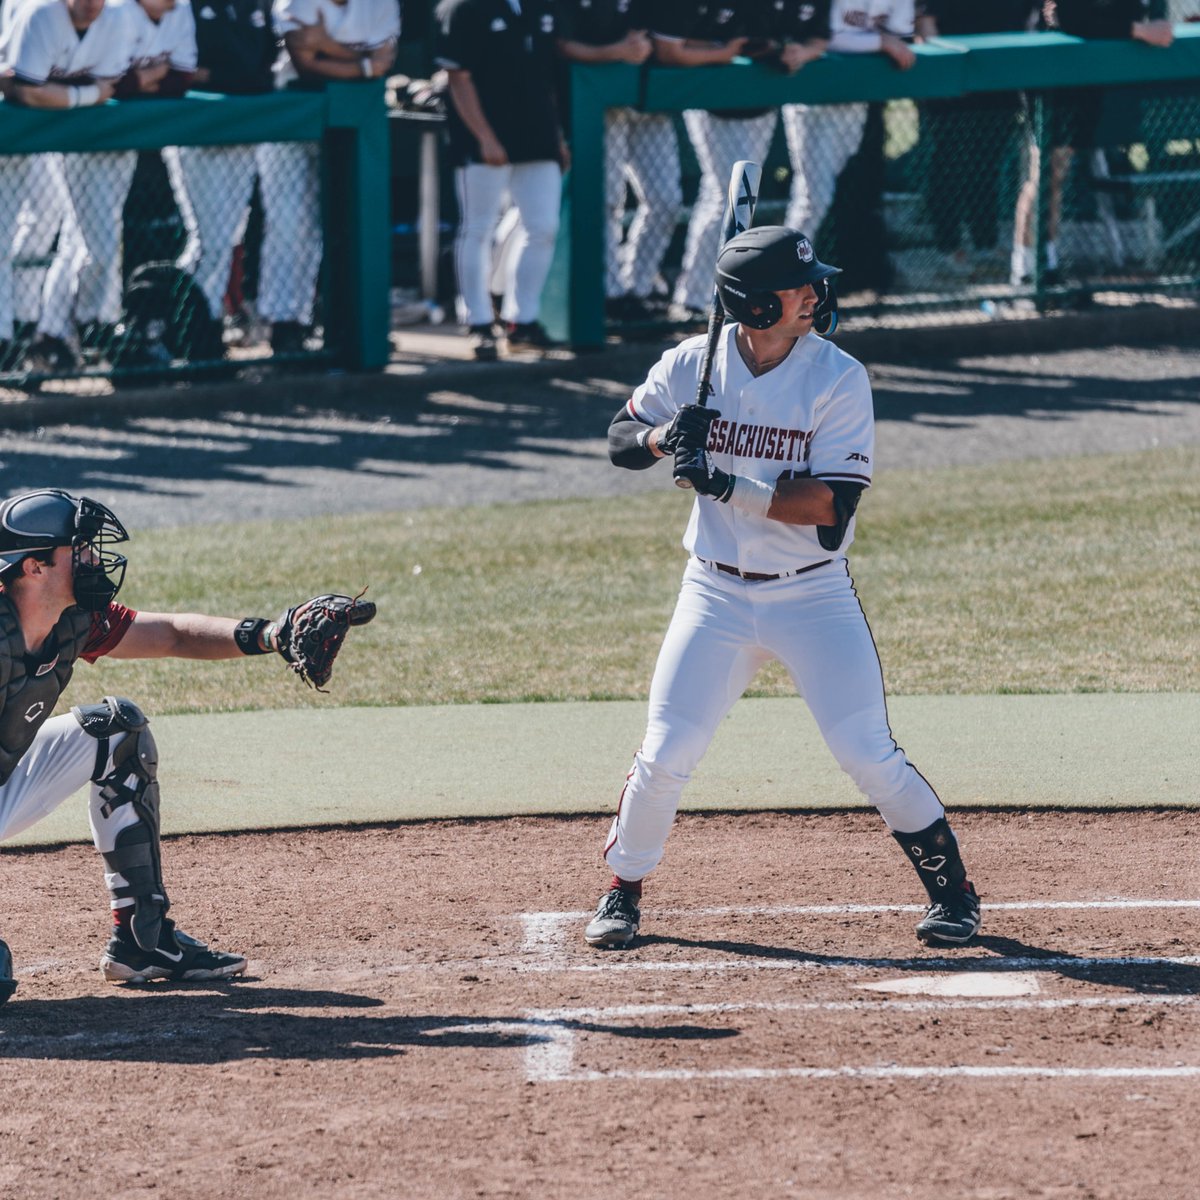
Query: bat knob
x,y
686,484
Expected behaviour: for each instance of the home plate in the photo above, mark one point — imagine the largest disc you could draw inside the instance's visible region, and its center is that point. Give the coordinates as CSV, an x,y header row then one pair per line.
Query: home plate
x,y
972,983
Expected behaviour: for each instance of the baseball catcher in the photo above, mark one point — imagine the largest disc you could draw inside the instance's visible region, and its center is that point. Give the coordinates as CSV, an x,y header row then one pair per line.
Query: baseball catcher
x,y
59,578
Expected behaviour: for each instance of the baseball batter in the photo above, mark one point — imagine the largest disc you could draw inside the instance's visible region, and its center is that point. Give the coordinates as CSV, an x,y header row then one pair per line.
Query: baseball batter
x,y
790,448
59,578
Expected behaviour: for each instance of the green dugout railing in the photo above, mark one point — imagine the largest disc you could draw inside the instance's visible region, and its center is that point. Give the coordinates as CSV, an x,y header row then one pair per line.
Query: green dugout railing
x,y
946,68
349,120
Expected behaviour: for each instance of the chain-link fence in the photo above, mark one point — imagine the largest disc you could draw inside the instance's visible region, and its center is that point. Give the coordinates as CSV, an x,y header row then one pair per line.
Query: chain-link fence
x,y
135,263
990,203
139,266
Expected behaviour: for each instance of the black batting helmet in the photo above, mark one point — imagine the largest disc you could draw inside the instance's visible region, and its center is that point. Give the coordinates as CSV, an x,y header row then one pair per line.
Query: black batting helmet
x,y
47,518
754,265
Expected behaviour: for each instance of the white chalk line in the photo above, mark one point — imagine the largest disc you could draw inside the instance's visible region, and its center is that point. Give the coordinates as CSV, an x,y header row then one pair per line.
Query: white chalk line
x,y
545,934
550,1058
887,1072
998,963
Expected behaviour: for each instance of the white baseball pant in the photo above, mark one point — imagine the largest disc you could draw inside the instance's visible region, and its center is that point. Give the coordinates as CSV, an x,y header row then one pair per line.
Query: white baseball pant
x,y
289,176
535,190
212,186
724,629
640,150
60,762
821,140
46,207
85,277
14,181
719,142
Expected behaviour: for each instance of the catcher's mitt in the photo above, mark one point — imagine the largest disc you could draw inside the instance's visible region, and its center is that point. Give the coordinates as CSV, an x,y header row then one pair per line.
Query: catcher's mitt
x,y
310,635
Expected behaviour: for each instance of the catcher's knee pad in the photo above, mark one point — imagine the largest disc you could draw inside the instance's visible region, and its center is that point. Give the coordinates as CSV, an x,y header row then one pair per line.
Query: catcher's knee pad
x,y
125,811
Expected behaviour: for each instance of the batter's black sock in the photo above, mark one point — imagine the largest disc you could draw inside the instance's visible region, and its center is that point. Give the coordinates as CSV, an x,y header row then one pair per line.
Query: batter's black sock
x,y
634,889
933,851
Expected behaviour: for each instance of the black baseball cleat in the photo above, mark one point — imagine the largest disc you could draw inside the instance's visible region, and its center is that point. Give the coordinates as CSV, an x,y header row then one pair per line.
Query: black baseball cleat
x,y
953,920
482,343
8,984
616,922
178,957
527,335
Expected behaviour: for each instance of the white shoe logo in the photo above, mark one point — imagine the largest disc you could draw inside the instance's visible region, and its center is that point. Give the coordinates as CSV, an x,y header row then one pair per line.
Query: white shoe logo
x,y
173,957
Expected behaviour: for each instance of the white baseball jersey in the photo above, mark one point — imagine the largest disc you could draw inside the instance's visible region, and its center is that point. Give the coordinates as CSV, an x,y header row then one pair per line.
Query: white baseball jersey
x,y
171,40
360,25
855,25
42,46
811,415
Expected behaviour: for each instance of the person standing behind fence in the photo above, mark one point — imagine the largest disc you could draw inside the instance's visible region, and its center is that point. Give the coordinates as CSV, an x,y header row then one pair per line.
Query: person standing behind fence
x,y
236,53
42,213
505,141
162,53
1074,116
640,150
822,138
324,39
699,35
69,54
964,189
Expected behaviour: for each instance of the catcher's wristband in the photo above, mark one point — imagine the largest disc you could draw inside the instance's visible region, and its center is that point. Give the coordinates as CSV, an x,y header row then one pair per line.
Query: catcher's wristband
x,y
250,635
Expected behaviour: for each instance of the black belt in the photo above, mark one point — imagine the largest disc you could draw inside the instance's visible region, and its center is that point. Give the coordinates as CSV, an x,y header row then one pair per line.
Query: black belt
x,y
758,576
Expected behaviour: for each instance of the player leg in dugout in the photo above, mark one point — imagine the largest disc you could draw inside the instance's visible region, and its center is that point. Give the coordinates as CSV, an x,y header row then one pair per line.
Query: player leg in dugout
x,y
778,462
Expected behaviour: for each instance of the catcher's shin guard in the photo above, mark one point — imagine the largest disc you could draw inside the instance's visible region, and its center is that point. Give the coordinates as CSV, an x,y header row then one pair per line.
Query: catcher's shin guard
x,y
125,813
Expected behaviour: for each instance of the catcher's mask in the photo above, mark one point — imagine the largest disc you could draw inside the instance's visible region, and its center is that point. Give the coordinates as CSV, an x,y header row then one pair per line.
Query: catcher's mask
x,y
753,266
45,519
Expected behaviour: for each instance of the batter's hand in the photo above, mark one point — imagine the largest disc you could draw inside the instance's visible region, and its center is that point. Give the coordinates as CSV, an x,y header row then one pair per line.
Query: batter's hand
x,y
697,468
687,429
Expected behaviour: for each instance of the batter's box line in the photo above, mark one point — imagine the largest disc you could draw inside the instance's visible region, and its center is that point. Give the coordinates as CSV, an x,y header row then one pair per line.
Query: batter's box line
x,y
550,1056
545,934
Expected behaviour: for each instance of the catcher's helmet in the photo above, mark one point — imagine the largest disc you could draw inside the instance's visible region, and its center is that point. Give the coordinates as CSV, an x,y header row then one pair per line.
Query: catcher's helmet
x,y
754,265
50,517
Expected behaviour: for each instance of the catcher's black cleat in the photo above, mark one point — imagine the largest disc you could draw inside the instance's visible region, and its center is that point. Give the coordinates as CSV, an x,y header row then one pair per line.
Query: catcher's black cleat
x,y
952,920
8,984
616,922
178,957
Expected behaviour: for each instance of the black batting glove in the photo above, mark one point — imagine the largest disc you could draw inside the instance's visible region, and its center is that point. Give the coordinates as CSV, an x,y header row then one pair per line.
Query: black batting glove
x,y
696,466
687,429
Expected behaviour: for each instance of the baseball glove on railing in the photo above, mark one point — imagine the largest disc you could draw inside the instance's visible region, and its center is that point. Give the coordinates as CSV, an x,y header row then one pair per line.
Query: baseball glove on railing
x,y
310,636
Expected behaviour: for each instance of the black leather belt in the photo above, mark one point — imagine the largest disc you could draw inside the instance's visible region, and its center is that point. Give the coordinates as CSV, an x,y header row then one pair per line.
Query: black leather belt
x,y
758,576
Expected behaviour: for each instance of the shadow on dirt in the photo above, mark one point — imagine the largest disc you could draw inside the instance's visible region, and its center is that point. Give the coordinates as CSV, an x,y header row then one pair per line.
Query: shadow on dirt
x,y
1140,973
161,1023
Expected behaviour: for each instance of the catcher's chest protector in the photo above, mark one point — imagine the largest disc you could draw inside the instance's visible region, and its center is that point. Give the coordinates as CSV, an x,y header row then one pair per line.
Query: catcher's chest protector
x,y
29,698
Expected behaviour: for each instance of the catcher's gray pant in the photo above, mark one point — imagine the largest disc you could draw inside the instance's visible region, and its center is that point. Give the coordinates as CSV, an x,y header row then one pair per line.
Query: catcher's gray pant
x,y
640,150
85,276
535,190
719,142
723,632
61,761
821,140
289,176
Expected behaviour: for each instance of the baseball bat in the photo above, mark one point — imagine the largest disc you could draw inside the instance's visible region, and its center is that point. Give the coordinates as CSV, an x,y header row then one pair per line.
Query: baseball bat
x,y
740,202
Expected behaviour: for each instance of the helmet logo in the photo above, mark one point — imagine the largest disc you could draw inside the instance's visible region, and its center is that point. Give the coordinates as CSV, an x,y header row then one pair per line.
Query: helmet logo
x,y
804,250
35,710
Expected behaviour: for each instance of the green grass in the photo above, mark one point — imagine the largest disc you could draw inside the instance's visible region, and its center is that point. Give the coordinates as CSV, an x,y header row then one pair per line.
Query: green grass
x,y
1060,576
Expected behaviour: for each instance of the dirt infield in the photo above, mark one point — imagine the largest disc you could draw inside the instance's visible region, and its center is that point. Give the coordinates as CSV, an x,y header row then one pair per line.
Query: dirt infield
x,y
422,1018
